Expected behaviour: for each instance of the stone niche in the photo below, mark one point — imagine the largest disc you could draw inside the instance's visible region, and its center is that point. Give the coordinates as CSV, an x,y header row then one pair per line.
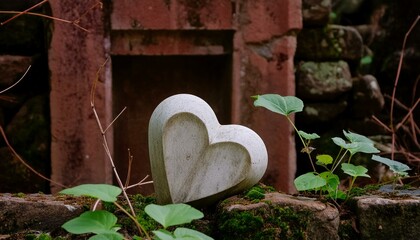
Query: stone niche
x,y
222,51
141,82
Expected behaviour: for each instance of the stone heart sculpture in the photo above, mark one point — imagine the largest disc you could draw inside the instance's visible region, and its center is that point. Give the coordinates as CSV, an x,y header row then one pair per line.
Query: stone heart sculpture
x,y
195,159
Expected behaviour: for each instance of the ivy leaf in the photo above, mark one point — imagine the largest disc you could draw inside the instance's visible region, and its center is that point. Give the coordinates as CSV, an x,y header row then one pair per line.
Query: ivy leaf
x,y
308,136
98,222
105,192
279,104
309,181
395,166
173,214
354,171
324,159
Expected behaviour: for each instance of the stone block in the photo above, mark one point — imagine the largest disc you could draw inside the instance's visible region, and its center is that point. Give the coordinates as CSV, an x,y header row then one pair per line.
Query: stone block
x,y
383,218
316,12
367,97
195,159
277,216
320,81
332,42
12,68
35,212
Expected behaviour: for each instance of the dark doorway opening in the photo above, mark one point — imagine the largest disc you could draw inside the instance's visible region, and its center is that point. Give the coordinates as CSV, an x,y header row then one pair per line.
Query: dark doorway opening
x,y
141,82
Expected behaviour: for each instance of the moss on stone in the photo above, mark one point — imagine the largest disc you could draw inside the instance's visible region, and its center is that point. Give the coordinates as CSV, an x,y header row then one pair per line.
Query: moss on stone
x,y
268,222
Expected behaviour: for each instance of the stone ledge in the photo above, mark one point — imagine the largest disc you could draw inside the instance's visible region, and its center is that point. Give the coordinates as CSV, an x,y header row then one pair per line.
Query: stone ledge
x,y
36,212
276,216
382,218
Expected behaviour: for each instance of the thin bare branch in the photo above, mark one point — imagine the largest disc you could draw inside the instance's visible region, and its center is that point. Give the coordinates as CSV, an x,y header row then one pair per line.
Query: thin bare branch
x,y
98,3
104,139
93,89
36,14
115,119
391,115
26,12
14,84
381,123
130,162
141,182
410,113
21,13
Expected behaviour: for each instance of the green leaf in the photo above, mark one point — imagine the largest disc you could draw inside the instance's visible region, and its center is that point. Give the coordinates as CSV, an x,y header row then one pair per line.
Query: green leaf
x,y
354,146
105,192
324,159
279,104
341,143
92,222
362,143
186,233
338,194
354,137
395,166
163,234
173,214
354,171
332,184
363,147
308,136
309,181
107,236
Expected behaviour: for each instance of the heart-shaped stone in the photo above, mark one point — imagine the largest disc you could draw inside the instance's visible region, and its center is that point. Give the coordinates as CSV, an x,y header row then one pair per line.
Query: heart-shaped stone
x,y
195,159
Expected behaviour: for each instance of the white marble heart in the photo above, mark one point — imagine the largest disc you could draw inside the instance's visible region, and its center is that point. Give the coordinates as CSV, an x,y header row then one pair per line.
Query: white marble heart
x,y
195,159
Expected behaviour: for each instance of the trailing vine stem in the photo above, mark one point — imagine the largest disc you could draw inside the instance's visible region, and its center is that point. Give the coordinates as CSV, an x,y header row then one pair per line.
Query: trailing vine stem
x,y
305,146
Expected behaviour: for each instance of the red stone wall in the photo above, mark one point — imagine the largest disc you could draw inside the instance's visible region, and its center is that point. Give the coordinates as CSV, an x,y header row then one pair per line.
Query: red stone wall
x,y
261,43
77,154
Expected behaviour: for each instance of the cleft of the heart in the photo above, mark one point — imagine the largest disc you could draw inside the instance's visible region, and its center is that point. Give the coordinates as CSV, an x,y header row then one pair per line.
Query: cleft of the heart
x,y
194,159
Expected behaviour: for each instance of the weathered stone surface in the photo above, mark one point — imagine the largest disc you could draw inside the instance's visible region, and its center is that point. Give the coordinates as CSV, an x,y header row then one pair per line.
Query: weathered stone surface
x,y
323,112
194,158
260,64
277,216
333,42
367,97
320,81
12,68
173,15
262,20
316,12
74,58
381,218
35,212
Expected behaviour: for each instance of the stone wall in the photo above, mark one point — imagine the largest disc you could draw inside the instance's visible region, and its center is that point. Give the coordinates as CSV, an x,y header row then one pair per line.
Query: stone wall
x,y
346,61
24,109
